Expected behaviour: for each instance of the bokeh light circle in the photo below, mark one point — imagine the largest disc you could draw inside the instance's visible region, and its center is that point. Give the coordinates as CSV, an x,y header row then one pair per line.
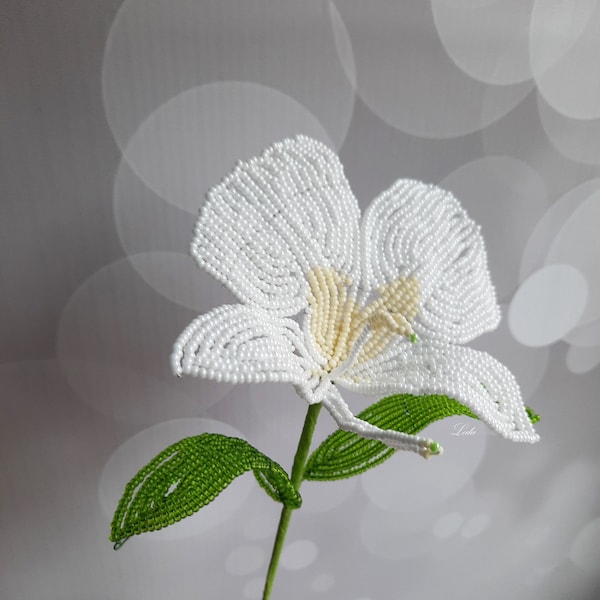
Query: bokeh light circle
x,y
546,230
578,244
577,139
475,526
585,336
298,555
548,305
521,136
570,85
177,277
554,28
156,237
157,49
406,78
189,143
490,41
582,360
447,525
114,340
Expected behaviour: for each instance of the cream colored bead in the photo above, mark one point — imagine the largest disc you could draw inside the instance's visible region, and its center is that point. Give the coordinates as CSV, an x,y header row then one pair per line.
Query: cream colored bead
x,y
337,321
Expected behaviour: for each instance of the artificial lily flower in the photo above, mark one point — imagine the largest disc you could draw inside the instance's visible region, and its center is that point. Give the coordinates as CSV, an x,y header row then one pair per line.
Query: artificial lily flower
x,y
379,305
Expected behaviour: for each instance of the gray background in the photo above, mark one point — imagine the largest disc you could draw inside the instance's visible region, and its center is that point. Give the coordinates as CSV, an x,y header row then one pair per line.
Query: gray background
x,y
117,117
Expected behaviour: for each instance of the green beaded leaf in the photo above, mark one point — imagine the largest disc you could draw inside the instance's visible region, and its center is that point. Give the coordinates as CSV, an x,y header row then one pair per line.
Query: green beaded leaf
x,y
344,454
189,475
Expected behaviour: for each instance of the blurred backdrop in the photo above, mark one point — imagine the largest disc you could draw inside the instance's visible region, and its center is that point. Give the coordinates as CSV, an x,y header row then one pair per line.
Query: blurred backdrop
x,y
116,117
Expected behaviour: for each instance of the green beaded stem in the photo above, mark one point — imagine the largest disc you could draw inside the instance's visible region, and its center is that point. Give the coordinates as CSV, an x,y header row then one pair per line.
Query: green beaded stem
x,y
297,477
189,475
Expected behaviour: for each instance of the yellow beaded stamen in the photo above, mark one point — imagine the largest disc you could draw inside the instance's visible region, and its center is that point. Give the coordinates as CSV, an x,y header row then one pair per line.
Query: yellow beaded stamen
x,y
337,321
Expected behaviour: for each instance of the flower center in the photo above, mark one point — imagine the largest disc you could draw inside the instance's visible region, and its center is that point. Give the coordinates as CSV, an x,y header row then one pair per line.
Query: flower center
x,y
337,321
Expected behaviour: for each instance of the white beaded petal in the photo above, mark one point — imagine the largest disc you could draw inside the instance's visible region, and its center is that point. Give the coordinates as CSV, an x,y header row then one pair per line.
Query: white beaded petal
x,y
242,344
420,230
273,219
384,303
473,378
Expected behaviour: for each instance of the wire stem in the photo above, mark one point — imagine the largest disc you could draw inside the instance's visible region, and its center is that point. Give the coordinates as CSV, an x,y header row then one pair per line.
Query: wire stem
x,y
297,476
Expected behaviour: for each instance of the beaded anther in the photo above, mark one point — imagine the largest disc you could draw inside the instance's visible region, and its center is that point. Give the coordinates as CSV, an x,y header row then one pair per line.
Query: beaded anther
x,y
387,300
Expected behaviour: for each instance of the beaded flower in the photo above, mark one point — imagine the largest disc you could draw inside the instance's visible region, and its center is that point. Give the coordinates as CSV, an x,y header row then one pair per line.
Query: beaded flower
x,y
378,305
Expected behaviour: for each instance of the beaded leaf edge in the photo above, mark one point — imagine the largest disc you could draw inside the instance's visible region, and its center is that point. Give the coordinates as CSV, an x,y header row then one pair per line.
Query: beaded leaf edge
x,y
189,475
